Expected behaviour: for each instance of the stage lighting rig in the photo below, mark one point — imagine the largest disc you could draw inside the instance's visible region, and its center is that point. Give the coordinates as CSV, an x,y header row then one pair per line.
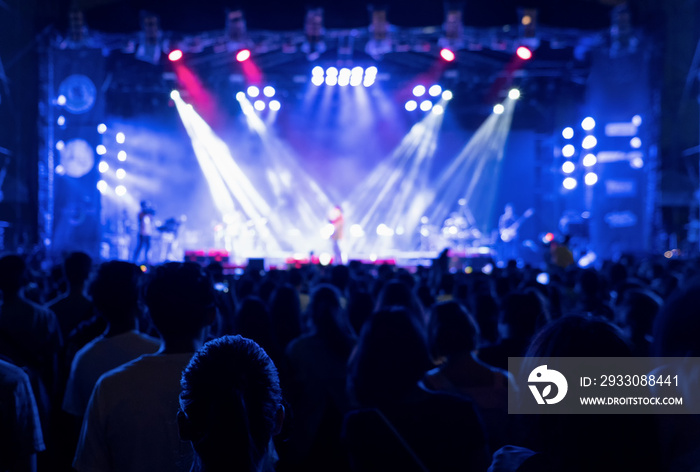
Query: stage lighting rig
x,y
150,47
380,41
314,45
453,27
528,22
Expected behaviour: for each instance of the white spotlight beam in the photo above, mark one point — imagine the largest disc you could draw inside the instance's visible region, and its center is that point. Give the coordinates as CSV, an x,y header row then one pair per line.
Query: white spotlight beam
x,y
397,191
225,178
217,188
473,174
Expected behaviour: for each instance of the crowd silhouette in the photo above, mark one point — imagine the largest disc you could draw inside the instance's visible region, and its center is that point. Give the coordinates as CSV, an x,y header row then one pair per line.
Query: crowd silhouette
x,y
183,367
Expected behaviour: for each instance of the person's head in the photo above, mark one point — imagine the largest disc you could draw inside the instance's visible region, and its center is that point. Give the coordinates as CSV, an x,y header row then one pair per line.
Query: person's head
x,y
230,405
451,331
485,309
285,313
391,357
520,313
589,282
12,274
637,311
253,321
216,271
579,336
340,276
397,293
145,205
329,320
115,291
180,299
76,268
676,329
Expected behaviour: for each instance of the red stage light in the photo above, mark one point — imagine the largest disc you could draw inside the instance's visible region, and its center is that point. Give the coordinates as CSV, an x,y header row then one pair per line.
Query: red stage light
x,y
549,237
523,53
447,55
175,55
243,55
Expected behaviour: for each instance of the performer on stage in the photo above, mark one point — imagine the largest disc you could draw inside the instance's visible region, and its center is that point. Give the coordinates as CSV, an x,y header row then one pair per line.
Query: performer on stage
x,y
145,230
336,219
508,226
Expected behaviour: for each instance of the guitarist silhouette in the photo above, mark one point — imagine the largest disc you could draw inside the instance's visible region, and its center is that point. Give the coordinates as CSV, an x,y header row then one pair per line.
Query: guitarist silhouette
x,y
508,226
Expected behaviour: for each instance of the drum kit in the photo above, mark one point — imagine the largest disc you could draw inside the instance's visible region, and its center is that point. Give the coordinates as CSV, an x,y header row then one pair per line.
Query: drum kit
x,y
458,231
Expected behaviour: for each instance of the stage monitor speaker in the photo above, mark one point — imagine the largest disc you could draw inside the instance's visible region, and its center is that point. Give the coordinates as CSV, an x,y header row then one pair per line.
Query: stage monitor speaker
x,y
256,265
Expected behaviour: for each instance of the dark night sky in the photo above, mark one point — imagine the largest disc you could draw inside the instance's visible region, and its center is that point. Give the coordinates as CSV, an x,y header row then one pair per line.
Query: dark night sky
x,y
196,16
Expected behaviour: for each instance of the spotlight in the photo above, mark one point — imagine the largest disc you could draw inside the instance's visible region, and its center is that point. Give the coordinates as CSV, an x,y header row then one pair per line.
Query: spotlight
x,y
102,186
61,100
121,173
332,80
589,142
438,109
498,109
259,105
426,105
588,123
175,55
569,183
327,231
103,167
324,258
591,178
318,70
528,22
419,90
568,132
120,138
317,80
175,95
344,77
447,95
356,231
524,53
637,120
356,77
514,94
61,120
331,72
384,230
240,96
435,90
60,145
102,128
568,167
369,80
635,142
60,170
275,105
253,91
101,150
120,190
371,71
637,163
121,155
269,91
243,55
411,105
447,55
568,150
589,160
